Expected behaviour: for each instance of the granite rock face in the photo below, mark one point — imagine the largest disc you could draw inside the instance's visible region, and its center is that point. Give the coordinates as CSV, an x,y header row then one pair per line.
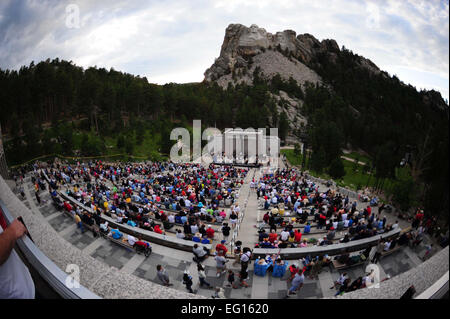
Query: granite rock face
x,y
246,47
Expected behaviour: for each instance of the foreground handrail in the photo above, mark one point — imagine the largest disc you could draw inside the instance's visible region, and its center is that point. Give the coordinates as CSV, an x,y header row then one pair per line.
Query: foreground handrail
x,y
46,268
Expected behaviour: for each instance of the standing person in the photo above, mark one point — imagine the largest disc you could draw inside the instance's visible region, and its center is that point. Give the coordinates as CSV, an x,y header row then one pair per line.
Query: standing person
x,y
340,281
297,283
38,198
245,258
380,248
243,275
230,279
202,276
427,252
163,276
237,252
187,280
221,248
225,231
200,253
219,293
220,264
233,219
79,223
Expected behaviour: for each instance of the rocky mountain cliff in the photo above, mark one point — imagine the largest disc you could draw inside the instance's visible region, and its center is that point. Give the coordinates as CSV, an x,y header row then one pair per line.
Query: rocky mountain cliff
x,y
285,53
245,49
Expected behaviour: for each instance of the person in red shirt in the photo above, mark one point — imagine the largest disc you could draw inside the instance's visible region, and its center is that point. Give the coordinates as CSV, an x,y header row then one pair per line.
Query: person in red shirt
x,y
157,229
210,232
273,236
221,248
67,206
298,235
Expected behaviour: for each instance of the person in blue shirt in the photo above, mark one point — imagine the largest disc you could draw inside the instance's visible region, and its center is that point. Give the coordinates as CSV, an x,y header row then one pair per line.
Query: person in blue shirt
x,y
116,234
131,223
350,222
307,229
380,224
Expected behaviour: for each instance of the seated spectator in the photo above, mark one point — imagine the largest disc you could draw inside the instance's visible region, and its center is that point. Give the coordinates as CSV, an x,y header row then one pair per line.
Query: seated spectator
x,y
298,236
197,238
131,240
180,234
104,228
157,229
331,234
262,235
307,228
131,223
115,233
200,253
210,232
273,236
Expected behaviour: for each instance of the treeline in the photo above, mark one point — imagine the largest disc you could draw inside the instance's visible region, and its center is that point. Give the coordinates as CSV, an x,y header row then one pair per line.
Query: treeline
x,y
391,121
58,107
43,104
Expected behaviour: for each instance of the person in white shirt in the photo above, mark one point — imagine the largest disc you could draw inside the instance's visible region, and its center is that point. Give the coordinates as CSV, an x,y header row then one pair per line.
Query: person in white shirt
x,y
180,234
335,224
395,225
131,240
284,235
344,217
340,281
194,228
171,218
15,278
387,245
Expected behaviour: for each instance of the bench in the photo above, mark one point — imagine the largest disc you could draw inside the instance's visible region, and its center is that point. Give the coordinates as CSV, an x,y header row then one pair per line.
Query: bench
x,y
331,250
390,251
149,236
339,266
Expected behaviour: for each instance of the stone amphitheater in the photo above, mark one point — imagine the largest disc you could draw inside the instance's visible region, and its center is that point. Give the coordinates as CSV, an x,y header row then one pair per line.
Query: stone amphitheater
x,y
112,269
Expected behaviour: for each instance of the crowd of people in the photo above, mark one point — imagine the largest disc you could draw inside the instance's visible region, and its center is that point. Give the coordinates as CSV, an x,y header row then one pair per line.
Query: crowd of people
x,y
294,205
155,197
161,196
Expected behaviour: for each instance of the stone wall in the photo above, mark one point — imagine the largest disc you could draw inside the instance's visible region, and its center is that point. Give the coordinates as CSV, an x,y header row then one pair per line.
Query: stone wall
x,y
422,277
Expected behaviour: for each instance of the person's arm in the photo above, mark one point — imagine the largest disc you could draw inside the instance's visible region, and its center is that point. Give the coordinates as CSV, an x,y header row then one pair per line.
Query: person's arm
x,y
8,239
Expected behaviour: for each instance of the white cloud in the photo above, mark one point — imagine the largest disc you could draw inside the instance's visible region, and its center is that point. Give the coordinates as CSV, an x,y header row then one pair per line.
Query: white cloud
x,y
175,41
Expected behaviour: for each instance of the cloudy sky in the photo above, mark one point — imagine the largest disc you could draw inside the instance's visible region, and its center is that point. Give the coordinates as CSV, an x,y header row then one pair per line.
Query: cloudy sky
x,y
177,40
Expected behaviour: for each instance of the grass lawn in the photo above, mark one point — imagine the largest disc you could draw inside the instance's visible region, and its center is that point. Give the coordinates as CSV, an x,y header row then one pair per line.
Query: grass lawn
x,y
359,157
354,177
